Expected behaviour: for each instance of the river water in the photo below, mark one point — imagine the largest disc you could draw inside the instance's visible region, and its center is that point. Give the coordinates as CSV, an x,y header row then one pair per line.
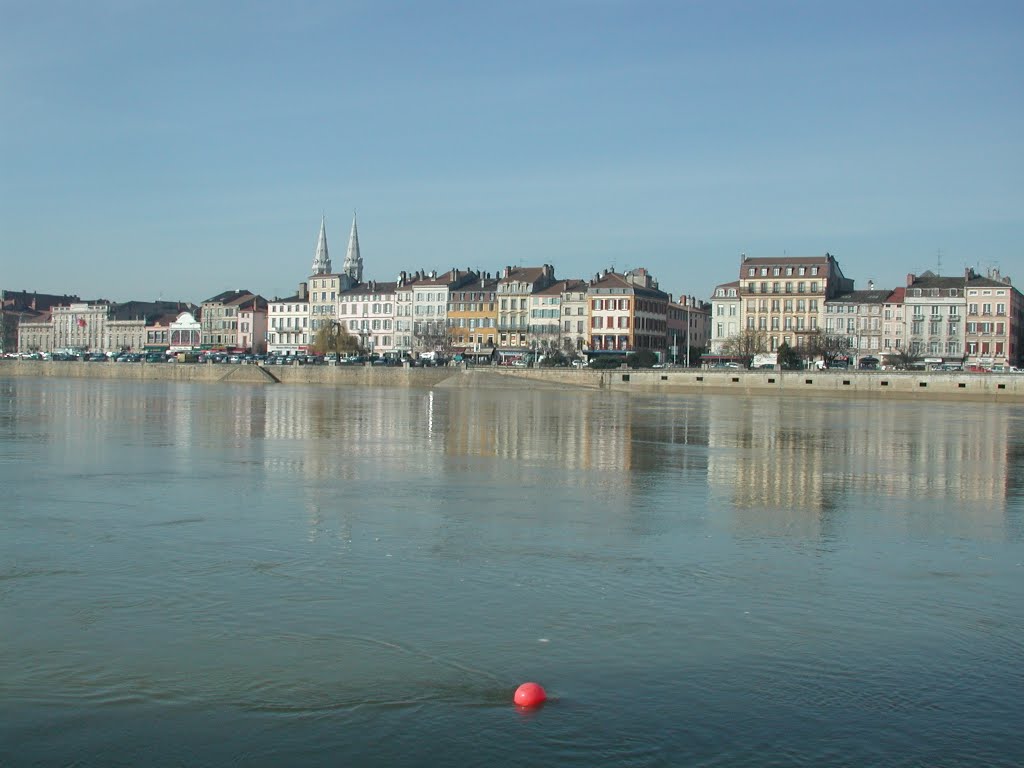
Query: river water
x,y
267,576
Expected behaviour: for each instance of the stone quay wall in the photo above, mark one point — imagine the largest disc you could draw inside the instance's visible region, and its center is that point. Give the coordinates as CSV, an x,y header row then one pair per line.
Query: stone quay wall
x,y
966,387
963,386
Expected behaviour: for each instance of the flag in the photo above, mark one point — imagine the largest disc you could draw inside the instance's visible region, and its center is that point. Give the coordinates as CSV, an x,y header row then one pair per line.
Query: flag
x,y
81,322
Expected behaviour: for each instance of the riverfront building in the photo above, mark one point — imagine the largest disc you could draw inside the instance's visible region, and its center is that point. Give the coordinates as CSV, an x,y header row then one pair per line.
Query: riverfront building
x,y
725,315
219,318
857,317
367,310
784,297
473,316
516,287
994,327
288,324
628,312
575,315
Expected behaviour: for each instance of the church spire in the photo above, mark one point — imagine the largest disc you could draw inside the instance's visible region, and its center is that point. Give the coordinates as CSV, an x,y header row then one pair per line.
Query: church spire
x,y
353,261
322,260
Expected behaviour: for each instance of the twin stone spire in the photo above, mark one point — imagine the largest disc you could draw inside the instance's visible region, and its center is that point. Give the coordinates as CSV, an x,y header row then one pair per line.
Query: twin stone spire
x,y
353,266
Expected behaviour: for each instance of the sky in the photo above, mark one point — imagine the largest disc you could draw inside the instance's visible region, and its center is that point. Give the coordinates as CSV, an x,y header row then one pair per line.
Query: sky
x,y
175,150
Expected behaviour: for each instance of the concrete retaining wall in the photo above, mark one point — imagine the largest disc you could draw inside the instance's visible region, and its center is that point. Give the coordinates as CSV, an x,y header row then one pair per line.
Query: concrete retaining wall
x,y
988,387
871,384
326,375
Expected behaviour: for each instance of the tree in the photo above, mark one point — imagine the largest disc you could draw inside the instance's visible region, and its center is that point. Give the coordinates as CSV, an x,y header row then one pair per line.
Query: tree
x,y
569,350
430,336
902,359
827,346
553,358
745,345
643,358
607,362
333,338
788,358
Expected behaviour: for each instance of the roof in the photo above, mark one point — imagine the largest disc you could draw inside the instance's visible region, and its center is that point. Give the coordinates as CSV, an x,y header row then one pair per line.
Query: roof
x,y
897,296
370,287
987,282
231,297
861,297
615,282
770,261
523,275
562,286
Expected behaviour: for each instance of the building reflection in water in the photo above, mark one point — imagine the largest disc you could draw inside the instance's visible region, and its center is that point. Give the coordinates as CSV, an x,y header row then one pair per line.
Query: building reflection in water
x,y
939,466
782,465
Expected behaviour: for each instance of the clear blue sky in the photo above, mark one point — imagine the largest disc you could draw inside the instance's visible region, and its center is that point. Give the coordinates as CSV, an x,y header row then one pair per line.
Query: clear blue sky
x,y
179,149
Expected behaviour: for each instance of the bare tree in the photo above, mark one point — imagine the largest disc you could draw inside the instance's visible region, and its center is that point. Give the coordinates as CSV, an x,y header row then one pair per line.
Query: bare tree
x,y
745,345
333,338
902,359
429,336
827,346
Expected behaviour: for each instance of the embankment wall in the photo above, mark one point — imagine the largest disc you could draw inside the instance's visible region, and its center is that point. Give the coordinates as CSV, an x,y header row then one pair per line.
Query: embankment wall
x,y
996,388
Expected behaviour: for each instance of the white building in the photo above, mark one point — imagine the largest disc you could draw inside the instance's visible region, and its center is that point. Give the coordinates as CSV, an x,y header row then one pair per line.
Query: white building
x,y
367,311
288,324
725,315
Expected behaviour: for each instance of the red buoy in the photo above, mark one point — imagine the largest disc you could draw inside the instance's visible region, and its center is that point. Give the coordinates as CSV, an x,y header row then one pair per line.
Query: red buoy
x,y
530,695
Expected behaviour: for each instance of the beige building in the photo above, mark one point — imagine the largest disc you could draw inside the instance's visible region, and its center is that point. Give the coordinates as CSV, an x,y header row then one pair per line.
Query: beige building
x,y
857,316
516,287
219,318
575,332
784,297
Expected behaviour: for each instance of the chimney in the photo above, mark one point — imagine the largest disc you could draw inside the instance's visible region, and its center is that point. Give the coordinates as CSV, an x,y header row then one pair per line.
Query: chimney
x,y
508,271
743,257
910,279
302,291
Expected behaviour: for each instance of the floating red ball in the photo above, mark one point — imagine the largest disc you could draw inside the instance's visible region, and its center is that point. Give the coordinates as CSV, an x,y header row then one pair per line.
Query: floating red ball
x,y
530,695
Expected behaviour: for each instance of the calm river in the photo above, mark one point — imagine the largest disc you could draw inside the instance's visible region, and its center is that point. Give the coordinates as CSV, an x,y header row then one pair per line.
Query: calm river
x,y
211,575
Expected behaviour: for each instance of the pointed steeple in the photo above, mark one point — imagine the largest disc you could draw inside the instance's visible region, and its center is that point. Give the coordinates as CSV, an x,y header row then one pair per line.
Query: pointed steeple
x,y
322,260
353,266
